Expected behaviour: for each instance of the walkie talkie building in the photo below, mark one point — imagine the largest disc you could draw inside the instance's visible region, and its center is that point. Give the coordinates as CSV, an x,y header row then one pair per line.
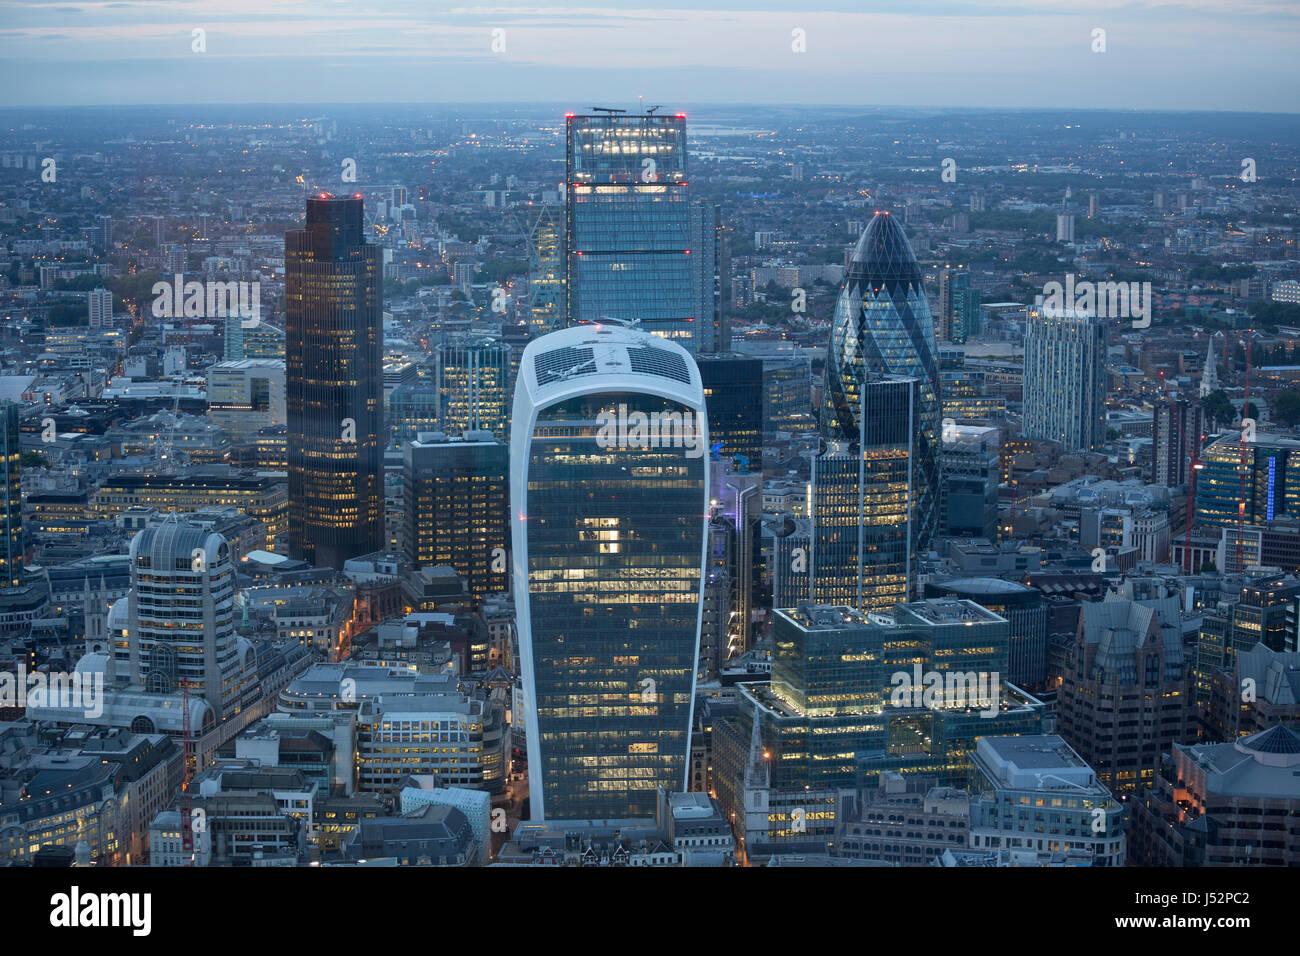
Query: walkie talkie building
x,y
609,483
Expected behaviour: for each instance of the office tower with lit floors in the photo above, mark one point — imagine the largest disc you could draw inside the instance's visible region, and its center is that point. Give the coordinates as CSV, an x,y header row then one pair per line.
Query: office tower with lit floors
x,y
180,617
864,502
473,373
546,265
609,491
457,507
333,384
637,247
11,550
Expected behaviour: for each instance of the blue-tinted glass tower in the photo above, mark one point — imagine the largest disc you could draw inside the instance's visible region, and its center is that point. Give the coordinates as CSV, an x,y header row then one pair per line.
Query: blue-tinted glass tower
x,y
637,248
883,326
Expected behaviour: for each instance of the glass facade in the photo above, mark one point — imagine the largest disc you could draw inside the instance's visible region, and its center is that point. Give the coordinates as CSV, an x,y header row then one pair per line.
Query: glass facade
x,y
413,409
546,265
882,325
610,531
1263,475
864,519
11,550
610,537
827,717
637,249
457,497
733,392
959,307
334,385
473,381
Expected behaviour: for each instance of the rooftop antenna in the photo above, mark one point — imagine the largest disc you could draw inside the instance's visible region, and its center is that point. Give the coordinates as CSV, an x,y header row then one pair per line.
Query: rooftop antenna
x,y
650,110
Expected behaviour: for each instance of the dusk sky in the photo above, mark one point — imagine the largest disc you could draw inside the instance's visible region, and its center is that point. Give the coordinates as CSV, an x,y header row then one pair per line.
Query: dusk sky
x,y
1160,54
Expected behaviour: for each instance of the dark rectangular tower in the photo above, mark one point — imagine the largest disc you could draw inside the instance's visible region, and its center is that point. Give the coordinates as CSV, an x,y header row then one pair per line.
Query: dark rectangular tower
x,y
334,384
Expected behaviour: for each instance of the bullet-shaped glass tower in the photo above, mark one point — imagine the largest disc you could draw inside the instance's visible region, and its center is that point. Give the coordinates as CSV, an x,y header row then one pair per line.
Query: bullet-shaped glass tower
x,y
883,326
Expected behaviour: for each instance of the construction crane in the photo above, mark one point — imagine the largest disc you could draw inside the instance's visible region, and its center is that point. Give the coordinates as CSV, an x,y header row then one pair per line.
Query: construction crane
x,y
166,453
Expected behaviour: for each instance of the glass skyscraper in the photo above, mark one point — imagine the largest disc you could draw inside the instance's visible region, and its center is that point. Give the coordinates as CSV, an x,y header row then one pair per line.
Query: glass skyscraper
x,y
473,375
637,248
882,326
959,307
1251,482
11,550
456,494
863,514
733,389
609,530
334,384
546,264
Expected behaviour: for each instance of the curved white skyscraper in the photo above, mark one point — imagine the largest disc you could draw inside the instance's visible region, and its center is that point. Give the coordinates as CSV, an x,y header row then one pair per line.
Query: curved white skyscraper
x,y
609,487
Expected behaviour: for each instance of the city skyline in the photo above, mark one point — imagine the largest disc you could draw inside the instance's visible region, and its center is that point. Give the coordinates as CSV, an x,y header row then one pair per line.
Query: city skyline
x,y
608,480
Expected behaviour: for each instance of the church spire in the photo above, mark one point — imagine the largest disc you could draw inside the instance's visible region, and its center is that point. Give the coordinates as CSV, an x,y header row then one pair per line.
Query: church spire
x,y
1209,377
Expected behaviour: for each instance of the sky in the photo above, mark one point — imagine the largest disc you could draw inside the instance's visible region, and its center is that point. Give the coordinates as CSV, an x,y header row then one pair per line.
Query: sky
x,y
1157,54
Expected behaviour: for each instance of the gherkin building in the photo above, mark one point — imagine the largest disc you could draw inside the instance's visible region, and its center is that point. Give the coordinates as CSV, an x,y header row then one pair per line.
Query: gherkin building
x,y
883,326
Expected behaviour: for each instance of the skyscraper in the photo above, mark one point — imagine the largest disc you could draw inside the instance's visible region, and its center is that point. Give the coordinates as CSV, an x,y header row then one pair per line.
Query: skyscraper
x,y
1123,695
101,308
864,512
334,384
882,327
1177,428
473,374
636,247
458,507
104,233
11,548
546,264
970,456
1065,378
959,307
733,389
181,615
609,489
